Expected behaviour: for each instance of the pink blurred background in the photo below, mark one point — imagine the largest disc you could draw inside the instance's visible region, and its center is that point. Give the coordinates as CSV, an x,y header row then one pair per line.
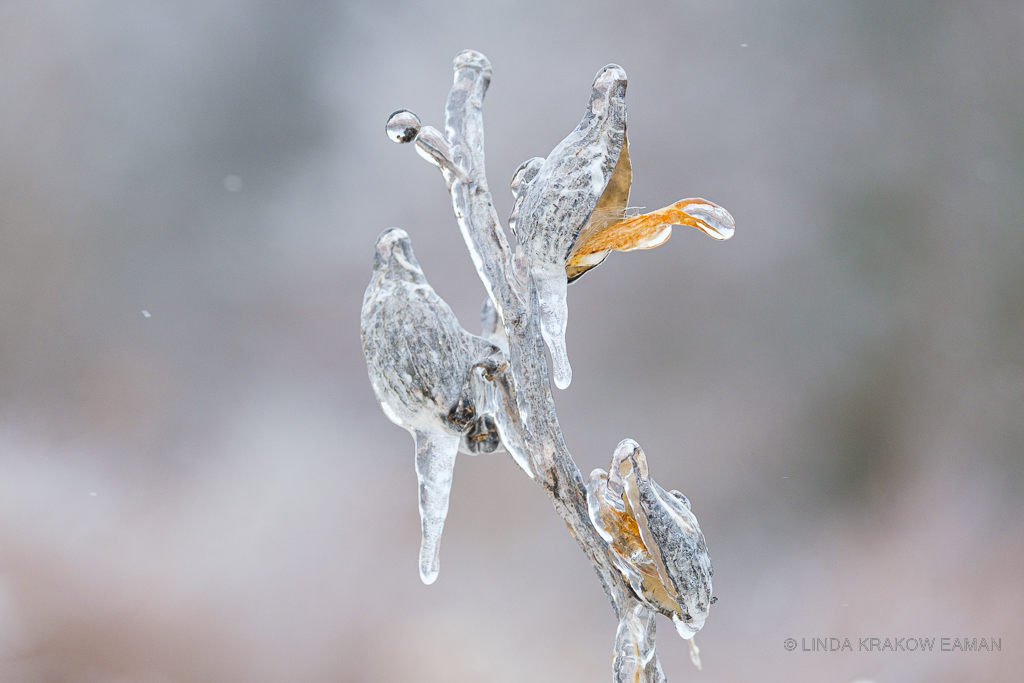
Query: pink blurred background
x,y
196,483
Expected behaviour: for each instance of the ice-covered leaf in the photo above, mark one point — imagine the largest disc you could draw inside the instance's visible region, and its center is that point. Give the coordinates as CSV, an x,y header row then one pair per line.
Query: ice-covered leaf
x,y
610,209
646,231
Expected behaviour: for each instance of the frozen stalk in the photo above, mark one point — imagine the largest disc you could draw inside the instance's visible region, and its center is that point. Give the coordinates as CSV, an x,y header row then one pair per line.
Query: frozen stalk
x,y
451,388
636,658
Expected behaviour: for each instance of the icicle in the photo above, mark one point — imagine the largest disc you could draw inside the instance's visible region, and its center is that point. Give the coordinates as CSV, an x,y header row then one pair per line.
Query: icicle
x,y
435,462
554,315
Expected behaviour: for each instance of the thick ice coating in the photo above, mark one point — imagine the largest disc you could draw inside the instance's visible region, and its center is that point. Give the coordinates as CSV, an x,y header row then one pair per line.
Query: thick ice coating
x,y
655,540
570,210
428,374
646,231
555,198
635,652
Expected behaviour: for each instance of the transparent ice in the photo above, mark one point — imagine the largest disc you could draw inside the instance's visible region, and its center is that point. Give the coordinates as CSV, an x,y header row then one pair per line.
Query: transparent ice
x,y
523,176
554,317
654,538
431,377
456,391
435,463
555,198
403,126
635,652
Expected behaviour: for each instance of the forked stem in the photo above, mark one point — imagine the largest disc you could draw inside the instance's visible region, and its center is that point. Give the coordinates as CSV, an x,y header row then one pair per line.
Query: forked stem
x,y
459,153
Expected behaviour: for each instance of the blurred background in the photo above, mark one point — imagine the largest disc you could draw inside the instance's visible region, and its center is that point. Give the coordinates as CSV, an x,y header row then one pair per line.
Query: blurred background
x,y
197,484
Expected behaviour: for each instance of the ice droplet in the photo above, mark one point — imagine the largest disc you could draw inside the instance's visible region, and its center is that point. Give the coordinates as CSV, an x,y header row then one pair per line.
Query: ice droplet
x,y
146,314
721,222
403,126
525,174
232,183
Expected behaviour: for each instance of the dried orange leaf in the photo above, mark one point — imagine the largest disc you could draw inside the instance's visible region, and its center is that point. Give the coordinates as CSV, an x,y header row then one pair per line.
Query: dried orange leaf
x,y
649,230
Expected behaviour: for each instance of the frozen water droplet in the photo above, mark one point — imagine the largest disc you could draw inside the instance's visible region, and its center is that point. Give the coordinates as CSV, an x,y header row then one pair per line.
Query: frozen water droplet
x,y
525,174
403,126
232,183
718,223
146,314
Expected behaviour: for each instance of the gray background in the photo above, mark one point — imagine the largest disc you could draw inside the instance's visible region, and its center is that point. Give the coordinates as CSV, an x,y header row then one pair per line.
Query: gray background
x,y
838,390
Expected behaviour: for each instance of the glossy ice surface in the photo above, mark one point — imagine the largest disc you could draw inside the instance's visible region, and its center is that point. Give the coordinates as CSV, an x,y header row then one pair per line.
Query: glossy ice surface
x,y
558,199
654,538
430,377
570,211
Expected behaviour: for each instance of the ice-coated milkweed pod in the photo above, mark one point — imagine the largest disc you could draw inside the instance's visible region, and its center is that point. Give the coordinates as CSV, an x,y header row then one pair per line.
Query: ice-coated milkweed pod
x,y
570,210
654,538
556,196
430,376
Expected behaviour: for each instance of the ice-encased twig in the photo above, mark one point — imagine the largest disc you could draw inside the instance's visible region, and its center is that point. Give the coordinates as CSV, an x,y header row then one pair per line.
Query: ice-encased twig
x,y
674,577
518,308
515,298
636,657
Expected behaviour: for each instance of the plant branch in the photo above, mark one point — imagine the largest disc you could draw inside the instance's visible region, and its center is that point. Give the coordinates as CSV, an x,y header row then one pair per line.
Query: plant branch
x,y
460,156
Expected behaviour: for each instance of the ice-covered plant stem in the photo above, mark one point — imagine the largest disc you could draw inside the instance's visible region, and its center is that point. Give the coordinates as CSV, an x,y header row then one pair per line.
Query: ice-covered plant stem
x,y
449,387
